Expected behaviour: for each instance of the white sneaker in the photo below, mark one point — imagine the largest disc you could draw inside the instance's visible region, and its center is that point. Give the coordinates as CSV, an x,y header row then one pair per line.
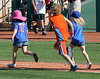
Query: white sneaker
x,y
11,65
89,65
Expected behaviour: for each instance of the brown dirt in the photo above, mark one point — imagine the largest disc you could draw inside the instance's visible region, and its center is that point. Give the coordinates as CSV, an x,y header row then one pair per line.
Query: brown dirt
x,y
50,66
89,37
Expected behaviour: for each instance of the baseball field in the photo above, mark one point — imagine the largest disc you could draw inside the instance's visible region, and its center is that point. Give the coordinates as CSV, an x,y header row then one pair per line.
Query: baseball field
x,y
50,65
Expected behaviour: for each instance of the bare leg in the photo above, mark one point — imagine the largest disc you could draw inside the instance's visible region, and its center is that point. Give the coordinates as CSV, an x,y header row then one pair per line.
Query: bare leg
x,y
25,52
84,53
14,54
67,58
41,23
86,57
42,26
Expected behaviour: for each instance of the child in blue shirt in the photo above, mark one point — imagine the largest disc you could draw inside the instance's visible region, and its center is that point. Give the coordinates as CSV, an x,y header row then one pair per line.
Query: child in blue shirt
x,y
78,38
19,37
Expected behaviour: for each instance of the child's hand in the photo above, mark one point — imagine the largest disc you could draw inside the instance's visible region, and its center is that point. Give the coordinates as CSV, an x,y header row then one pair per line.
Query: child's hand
x,y
12,39
71,34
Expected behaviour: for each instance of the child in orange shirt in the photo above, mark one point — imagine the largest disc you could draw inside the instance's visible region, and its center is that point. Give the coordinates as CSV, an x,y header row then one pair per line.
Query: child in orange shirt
x,y
61,31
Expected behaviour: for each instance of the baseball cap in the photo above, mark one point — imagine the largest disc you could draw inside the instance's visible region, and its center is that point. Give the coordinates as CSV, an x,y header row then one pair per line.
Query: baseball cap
x,y
75,14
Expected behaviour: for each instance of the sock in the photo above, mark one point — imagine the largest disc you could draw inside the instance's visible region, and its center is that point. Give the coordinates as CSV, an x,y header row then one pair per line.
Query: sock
x,y
73,65
69,52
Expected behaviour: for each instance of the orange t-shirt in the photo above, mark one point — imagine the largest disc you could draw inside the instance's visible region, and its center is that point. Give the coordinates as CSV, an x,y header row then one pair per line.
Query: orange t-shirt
x,y
60,27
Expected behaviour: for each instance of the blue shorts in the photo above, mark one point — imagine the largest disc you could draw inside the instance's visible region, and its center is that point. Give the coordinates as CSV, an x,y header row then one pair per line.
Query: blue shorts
x,y
21,44
78,44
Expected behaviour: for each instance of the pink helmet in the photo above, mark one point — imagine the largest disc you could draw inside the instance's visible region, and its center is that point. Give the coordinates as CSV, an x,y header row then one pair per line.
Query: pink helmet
x,y
18,15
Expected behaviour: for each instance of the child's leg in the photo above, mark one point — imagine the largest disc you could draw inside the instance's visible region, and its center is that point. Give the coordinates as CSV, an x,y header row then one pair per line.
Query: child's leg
x,y
86,56
14,54
25,52
14,58
63,52
84,53
69,49
56,46
70,54
67,58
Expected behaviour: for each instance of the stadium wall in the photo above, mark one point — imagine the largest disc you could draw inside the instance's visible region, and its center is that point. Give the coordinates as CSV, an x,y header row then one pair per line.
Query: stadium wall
x,y
89,14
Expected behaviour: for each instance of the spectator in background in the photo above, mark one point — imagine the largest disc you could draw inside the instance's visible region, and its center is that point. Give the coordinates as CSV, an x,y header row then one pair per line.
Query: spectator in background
x,y
74,5
48,7
23,7
65,9
24,2
47,2
65,5
40,8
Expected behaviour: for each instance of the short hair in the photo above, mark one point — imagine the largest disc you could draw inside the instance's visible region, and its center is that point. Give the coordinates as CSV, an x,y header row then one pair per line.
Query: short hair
x,y
56,9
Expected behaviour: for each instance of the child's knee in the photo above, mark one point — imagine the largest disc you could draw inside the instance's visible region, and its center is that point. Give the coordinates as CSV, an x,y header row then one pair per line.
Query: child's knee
x,y
83,52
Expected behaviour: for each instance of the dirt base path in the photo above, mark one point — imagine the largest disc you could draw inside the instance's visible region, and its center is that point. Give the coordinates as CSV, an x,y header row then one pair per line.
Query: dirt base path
x,y
89,37
49,66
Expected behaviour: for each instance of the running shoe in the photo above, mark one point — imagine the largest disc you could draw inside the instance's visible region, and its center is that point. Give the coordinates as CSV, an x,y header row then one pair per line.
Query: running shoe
x,y
75,67
89,65
11,65
35,57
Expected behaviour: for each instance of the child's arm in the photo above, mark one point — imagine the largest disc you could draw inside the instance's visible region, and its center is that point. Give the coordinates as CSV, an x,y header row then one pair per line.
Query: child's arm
x,y
34,5
14,33
71,26
27,31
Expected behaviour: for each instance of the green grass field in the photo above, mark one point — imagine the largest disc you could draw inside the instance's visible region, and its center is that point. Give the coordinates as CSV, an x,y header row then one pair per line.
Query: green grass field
x,y
43,74
46,53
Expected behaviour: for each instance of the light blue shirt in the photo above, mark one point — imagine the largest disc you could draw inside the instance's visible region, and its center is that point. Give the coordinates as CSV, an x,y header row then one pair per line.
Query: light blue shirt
x,y
78,34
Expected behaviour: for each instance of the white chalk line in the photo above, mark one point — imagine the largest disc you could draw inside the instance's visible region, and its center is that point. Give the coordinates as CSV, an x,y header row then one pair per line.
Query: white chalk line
x,y
17,64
